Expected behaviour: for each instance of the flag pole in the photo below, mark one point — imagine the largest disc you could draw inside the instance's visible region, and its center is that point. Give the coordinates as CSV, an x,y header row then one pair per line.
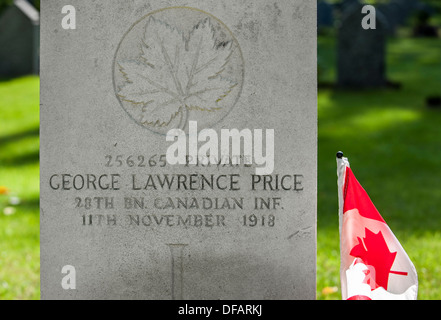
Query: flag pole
x,y
341,175
342,163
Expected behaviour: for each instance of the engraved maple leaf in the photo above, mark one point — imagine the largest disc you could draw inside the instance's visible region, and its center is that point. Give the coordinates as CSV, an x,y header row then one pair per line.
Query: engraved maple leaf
x,y
175,74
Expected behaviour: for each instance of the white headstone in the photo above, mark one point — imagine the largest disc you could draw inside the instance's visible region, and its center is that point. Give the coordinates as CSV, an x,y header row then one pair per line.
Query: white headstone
x,y
126,222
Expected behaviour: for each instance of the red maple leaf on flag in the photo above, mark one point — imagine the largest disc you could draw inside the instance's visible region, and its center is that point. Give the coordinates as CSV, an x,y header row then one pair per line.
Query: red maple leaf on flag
x,y
375,252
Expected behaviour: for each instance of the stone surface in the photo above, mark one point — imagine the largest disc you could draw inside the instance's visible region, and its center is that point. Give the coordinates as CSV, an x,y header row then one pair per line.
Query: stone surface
x,y
107,209
361,53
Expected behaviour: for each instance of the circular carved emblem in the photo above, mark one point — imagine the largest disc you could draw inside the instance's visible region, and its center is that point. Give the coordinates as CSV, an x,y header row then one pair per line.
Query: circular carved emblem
x,y
177,65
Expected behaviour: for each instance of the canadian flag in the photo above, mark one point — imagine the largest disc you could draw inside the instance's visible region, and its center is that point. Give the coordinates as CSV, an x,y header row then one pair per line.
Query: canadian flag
x,y
374,265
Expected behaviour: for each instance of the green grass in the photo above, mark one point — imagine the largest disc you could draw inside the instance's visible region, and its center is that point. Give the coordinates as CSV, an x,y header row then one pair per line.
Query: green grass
x,y
19,173
393,142
392,139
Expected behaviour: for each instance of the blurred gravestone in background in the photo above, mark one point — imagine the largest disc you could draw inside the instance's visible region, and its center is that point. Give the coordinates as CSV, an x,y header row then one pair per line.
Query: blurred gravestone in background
x,y
19,40
400,10
391,19
397,13
361,53
325,16
400,13
346,4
